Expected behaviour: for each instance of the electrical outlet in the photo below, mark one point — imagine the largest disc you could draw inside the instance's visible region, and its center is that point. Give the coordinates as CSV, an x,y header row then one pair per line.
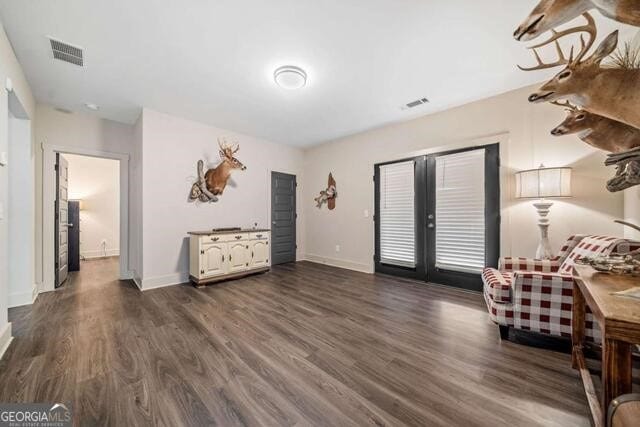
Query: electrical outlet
x,y
337,248
366,213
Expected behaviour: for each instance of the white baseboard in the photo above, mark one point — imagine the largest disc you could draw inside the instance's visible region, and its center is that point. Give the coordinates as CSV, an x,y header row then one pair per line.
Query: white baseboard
x,y
348,265
5,338
100,254
162,281
24,298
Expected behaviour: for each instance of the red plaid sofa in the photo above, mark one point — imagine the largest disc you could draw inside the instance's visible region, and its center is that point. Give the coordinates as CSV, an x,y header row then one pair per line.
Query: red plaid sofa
x,y
537,295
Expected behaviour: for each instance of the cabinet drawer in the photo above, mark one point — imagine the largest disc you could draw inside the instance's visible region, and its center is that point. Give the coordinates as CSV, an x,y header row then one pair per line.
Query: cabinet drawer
x,y
234,237
260,235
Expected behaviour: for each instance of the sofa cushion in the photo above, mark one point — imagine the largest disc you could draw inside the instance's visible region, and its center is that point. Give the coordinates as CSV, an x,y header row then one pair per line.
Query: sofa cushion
x,y
497,284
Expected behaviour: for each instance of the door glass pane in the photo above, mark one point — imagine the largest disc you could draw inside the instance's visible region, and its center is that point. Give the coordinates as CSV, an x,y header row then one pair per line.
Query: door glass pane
x,y
397,214
460,211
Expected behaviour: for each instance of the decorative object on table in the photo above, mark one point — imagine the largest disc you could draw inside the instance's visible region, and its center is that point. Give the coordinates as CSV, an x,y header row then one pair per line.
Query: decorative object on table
x,y
616,264
543,183
595,90
329,195
211,184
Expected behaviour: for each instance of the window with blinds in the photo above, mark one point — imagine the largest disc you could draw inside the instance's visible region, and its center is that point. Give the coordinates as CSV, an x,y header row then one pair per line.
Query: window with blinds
x,y
460,211
397,214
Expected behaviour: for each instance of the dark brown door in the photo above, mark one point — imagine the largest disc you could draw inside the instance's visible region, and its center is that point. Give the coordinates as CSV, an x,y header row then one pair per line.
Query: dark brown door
x,y
283,218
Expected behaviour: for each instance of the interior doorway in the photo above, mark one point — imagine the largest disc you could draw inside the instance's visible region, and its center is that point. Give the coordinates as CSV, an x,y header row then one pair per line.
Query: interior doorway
x,y
87,217
112,240
283,218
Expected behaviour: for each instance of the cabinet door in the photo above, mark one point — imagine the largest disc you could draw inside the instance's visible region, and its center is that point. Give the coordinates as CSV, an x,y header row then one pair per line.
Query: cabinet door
x,y
259,253
213,259
238,256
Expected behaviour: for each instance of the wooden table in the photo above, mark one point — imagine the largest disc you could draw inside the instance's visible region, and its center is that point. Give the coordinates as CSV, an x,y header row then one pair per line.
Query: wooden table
x,y
619,320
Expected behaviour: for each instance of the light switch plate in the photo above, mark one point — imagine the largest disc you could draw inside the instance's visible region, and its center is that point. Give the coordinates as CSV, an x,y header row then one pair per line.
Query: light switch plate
x,y
4,158
1,211
366,213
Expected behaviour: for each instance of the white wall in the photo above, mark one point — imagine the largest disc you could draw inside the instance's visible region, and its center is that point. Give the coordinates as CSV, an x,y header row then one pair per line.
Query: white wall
x,y
527,144
171,149
632,195
20,213
96,182
9,68
80,131
135,204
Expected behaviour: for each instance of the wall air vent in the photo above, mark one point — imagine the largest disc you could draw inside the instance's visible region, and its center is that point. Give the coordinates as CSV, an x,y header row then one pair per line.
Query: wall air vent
x,y
66,52
414,104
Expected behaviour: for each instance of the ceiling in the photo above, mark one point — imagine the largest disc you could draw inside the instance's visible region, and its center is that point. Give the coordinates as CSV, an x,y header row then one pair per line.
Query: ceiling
x,y
213,61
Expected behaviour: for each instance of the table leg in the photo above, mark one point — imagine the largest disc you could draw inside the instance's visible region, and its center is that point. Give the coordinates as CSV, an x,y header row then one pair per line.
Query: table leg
x,y
616,370
577,325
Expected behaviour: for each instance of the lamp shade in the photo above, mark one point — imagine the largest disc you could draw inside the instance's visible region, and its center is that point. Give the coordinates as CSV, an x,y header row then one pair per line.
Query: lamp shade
x,y
543,182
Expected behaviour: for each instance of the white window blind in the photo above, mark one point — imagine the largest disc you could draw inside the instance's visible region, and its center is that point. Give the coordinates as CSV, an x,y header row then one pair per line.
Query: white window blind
x,y
460,206
397,214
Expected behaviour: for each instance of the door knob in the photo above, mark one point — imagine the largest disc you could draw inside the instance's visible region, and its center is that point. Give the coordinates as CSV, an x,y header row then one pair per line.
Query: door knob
x,y
273,222
430,225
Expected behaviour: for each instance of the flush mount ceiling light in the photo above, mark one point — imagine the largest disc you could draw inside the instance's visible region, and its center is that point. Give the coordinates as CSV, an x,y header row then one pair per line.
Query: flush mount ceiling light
x,y
92,107
290,77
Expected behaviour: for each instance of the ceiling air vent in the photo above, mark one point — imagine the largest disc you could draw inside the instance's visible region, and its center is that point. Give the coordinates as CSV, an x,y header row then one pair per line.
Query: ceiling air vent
x,y
416,103
67,53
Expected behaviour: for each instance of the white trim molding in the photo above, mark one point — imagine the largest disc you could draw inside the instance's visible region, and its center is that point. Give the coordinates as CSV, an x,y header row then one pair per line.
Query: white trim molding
x,y
100,254
163,281
345,264
48,201
25,298
5,338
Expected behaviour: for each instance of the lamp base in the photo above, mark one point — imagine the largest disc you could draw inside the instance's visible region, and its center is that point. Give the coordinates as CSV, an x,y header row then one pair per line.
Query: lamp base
x,y
544,248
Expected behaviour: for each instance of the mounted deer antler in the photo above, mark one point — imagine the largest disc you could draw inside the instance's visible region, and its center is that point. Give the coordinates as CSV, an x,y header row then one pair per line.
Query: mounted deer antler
x,y
587,84
213,182
589,28
549,14
597,131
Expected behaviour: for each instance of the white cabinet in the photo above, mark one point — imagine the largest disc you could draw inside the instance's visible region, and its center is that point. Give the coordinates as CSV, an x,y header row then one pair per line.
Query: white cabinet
x,y
213,259
238,256
259,253
218,256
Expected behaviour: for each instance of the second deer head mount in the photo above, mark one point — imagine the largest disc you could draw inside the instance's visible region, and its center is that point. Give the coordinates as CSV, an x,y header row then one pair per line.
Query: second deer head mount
x,y
585,82
211,184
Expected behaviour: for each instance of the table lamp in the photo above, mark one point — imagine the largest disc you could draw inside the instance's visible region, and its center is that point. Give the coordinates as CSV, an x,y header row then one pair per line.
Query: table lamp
x,y
543,183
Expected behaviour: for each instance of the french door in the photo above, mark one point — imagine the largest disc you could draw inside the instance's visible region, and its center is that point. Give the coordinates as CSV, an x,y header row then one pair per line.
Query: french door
x,y
437,217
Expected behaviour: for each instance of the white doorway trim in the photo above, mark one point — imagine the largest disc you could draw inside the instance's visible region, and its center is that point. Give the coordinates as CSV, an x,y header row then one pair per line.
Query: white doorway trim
x,y
48,210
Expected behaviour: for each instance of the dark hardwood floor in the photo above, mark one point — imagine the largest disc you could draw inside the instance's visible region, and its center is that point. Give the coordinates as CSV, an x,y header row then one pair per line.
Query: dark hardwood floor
x,y
305,344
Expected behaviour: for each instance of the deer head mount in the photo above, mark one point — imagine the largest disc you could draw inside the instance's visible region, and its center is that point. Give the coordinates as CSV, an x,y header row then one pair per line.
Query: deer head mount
x,y
598,131
211,184
585,82
549,14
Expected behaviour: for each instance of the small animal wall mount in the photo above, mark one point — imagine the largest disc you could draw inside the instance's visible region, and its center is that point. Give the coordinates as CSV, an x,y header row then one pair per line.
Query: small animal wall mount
x,y
211,184
329,195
